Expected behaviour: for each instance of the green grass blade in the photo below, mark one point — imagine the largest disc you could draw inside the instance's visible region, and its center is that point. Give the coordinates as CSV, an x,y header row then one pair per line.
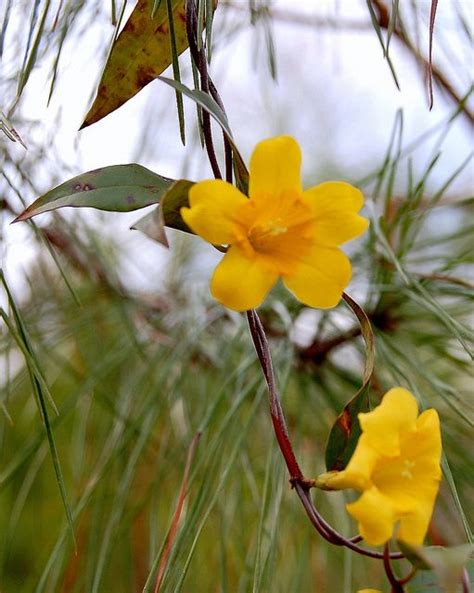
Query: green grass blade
x,y
176,71
30,58
41,397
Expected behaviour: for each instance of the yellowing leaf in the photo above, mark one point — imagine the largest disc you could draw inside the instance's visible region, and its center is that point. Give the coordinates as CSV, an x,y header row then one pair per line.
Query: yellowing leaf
x,y
140,53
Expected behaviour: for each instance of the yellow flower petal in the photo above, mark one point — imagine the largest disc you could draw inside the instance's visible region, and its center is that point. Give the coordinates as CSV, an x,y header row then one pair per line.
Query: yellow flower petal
x,y
396,413
214,210
359,470
428,441
375,516
320,277
241,283
369,591
412,480
336,204
413,526
275,167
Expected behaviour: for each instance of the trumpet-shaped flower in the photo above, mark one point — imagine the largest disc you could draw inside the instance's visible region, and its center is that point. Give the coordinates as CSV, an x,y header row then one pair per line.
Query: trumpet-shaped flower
x,y
278,231
396,466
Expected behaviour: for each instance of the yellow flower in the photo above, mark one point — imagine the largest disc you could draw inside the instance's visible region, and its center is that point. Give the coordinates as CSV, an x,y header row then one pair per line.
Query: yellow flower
x,y
396,466
278,231
369,591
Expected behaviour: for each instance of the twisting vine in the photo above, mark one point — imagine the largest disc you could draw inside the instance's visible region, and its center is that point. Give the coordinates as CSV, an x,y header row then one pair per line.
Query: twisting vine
x,y
299,483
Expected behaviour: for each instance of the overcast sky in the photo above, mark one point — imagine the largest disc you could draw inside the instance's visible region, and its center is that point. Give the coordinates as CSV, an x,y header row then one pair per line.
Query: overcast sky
x,y
334,93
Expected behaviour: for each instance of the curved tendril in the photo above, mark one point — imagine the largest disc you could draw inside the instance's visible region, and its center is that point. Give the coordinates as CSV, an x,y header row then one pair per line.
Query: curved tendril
x,y
257,332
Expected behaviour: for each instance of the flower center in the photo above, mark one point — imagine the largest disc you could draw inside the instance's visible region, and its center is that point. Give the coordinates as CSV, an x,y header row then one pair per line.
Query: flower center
x,y
279,230
260,235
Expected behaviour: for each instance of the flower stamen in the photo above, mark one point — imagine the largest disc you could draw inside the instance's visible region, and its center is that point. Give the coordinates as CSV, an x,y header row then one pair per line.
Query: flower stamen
x,y
406,472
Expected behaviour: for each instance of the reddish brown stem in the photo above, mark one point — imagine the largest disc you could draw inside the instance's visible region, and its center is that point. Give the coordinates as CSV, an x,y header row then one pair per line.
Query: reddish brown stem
x,y
397,586
199,59
409,576
434,6
177,514
278,418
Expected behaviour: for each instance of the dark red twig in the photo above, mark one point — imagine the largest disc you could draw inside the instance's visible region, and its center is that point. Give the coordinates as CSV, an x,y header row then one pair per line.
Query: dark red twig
x,y
199,58
278,418
207,86
329,533
434,6
397,586
177,514
409,576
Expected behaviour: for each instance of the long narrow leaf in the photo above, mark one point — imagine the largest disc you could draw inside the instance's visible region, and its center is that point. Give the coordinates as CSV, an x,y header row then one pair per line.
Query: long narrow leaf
x,y
346,430
208,103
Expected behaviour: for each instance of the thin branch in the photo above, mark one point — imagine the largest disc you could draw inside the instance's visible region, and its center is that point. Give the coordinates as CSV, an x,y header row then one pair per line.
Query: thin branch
x,y
278,418
434,6
286,16
409,576
397,586
438,76
319,349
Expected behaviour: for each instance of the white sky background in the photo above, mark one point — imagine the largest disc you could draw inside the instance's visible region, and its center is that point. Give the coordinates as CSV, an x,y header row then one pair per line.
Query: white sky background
x,y
334,93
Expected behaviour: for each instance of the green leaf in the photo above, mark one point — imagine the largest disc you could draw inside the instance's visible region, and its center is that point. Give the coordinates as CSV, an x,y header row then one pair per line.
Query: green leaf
x,y
120,188
208,103
346,430
377,27
167,214
204,100
141,52
447,563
